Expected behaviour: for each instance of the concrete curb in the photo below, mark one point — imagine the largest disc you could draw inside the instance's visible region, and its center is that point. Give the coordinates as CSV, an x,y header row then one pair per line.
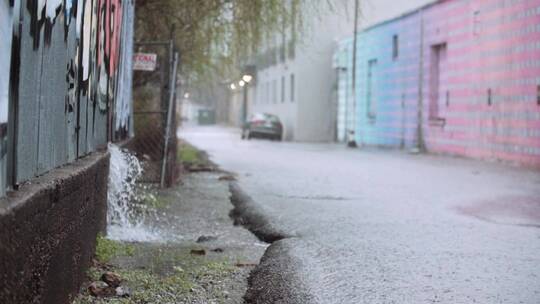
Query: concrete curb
x,y
248,214
275,279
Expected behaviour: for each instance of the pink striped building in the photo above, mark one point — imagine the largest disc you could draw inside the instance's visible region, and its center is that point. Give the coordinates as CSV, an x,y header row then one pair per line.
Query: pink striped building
x,y
473,69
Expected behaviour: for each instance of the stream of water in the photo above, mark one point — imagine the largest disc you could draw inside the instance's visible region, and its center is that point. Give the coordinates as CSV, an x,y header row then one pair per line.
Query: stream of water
x,y
126,220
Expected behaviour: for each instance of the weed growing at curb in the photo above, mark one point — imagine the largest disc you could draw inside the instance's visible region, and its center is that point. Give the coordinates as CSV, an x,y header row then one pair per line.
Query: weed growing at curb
x,y
166,275
107,249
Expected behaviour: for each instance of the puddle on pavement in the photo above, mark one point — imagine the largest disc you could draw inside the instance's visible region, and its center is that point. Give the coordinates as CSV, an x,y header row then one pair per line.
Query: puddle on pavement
x,y
510,210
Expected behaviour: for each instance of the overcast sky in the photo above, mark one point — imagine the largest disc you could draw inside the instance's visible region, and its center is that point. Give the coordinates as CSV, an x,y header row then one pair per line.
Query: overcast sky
x,y
375,11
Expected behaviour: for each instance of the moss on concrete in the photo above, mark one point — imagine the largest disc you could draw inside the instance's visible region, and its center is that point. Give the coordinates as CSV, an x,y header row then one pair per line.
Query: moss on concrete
x,y
189,156
167,275
169,272
154,201
107,249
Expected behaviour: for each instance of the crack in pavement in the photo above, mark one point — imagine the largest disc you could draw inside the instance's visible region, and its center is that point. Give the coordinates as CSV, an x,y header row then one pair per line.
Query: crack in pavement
x,y
247,214
273,280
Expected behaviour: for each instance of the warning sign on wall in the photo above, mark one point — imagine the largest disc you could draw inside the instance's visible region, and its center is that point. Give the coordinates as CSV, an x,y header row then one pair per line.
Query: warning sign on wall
x,y
144,62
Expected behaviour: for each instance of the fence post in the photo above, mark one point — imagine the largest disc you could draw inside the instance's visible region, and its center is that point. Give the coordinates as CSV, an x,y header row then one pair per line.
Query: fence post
x,y
172,93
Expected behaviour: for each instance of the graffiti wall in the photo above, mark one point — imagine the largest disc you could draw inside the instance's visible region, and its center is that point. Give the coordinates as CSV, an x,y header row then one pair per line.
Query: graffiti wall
x,y
7,11
124,111
456,77
70,79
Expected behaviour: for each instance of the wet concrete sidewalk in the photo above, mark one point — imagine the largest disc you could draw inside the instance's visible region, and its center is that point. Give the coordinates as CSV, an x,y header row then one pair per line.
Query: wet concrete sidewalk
x,y
203,258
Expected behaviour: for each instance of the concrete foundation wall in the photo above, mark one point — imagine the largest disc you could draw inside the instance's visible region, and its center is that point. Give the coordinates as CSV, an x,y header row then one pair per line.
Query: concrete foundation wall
x,y
48,232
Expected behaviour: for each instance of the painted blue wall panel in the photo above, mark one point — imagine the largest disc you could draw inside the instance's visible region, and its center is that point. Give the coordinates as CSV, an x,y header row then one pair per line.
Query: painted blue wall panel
x,y
392,119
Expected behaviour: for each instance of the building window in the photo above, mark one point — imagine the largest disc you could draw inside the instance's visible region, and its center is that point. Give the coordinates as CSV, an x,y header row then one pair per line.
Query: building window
x,y
292,87
269,85
274,91
476,24
263,92
395,47
282,89
438,60
538,94
267,97
371,92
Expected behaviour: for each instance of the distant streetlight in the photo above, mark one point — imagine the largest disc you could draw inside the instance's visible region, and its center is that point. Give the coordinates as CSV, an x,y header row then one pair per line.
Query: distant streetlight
x,y
247,78
186,96
233,86
242,83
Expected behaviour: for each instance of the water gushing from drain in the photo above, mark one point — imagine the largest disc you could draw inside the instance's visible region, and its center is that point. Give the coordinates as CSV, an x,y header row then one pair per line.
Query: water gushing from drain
x,y
126,219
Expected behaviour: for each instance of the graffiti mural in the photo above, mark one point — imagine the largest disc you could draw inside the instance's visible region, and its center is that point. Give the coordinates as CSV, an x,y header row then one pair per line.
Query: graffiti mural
x,y
70,79
123,110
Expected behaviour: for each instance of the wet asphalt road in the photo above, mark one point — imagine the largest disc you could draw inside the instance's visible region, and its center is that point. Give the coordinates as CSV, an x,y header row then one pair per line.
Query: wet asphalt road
x,y
373,226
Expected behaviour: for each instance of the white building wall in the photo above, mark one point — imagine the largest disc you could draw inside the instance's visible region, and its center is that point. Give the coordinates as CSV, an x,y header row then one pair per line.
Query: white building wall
x,y
310,114
316,81
267,97
235,108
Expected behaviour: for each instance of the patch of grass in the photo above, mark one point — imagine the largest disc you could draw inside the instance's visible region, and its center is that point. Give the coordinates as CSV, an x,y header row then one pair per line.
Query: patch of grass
x,y
189,279
188,154
193,159
155,200
107,249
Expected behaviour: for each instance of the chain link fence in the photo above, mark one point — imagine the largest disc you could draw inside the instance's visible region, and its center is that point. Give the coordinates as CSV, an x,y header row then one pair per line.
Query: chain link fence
x,y
154,142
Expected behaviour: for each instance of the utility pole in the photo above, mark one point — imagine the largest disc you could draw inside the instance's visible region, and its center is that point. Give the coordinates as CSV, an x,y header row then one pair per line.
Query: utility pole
x,y
248,76
244,103
351,142
419,127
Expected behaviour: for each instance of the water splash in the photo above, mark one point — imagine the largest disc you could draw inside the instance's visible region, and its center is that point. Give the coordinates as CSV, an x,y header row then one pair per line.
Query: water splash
x,y
125,217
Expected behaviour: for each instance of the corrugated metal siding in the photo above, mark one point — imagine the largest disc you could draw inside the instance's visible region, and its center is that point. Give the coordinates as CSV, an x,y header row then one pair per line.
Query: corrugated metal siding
x,y
73,79
29,84
492,53
6,24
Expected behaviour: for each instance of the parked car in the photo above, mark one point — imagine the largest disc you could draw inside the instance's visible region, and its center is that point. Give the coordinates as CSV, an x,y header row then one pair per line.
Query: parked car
x,y
263,125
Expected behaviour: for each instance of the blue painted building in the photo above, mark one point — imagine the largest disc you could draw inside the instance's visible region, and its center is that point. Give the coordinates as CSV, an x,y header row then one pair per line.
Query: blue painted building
x,y
386,83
